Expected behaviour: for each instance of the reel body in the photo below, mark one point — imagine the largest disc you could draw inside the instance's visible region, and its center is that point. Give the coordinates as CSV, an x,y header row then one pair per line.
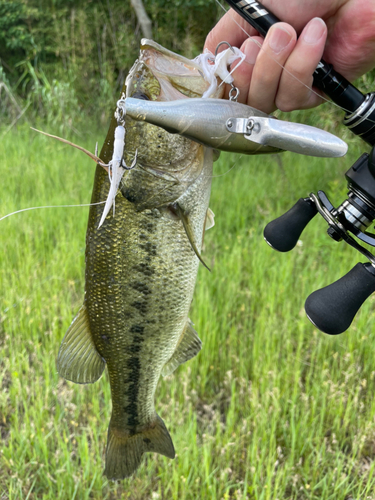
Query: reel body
x,y
332,308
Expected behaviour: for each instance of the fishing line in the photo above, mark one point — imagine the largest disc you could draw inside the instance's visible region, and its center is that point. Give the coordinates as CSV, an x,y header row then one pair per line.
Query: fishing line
x,y
231,71
229,170
279,64
51,206
59,388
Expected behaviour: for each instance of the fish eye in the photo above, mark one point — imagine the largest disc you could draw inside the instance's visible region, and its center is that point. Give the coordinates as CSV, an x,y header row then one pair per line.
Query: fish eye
x,y
140,95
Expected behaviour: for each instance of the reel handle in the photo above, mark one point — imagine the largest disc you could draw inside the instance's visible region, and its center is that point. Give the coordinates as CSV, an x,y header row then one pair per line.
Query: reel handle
x,y
332,308
283,233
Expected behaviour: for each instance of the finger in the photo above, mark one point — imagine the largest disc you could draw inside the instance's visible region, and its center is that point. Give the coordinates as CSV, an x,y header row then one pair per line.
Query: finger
x,y
243,73
294,90
277,46
231,28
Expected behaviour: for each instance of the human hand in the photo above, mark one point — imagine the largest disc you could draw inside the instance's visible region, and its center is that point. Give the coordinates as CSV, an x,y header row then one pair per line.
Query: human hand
x,y
280,74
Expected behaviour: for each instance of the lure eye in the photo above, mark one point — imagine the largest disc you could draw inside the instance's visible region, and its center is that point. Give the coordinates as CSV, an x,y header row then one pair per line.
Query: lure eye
x,y
140,95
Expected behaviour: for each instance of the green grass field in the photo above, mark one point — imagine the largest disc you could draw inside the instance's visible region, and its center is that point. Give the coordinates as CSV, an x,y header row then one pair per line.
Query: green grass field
x,y
270,409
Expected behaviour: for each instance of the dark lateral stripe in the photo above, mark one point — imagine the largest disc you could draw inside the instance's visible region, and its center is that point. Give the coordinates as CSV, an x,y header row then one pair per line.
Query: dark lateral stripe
x,y
150,248
132,388
134,348
137,329
141,306
145,269
133,376
148,226
141,287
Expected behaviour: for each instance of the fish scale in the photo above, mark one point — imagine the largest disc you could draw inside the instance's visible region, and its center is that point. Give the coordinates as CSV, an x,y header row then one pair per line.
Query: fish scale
x,y
141,267
152,290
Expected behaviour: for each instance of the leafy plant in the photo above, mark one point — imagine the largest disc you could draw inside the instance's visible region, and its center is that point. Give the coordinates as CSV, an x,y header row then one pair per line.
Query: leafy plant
x,y
86,48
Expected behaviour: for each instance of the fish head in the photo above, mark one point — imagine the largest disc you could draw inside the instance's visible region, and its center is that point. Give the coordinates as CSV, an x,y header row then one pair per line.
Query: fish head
x,y
165,162
162,75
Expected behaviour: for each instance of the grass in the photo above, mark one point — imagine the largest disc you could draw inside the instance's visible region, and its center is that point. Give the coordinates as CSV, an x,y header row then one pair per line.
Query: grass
x,y
270,409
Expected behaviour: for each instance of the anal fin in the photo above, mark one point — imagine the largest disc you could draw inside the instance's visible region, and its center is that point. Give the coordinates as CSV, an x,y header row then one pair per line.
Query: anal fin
x,y
188,346
78,360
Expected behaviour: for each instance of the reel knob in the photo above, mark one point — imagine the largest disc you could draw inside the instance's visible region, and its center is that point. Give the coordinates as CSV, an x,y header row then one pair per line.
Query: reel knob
x,y
332,308
283,233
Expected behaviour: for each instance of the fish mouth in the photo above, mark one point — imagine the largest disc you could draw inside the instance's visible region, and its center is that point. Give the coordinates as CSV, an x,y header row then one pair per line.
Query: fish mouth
x,y
181,62
162,75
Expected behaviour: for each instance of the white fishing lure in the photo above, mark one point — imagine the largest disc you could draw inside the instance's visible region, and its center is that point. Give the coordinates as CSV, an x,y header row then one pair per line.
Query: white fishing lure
x,y
117,166
116,169
214,66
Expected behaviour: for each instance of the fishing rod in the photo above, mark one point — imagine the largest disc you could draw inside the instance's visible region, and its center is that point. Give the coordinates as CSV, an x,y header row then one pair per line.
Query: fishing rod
x,y
332,308
360,109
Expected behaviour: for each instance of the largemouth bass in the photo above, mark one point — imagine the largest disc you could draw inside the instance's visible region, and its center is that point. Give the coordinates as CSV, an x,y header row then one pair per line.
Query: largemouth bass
x,y
141,265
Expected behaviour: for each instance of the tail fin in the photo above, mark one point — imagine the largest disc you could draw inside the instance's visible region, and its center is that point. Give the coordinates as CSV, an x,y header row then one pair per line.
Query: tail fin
x,y
124,452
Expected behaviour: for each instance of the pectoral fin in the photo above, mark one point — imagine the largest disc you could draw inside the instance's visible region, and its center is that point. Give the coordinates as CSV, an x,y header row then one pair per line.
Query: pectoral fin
x,y
78,360
189,231
188,346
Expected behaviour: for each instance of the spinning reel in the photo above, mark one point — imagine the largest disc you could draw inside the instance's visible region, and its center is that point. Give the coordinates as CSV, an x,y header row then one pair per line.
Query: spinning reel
x,y
332,309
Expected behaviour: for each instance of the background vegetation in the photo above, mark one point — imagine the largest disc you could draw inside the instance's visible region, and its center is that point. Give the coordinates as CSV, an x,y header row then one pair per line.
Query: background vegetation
x,y
69,58
271,409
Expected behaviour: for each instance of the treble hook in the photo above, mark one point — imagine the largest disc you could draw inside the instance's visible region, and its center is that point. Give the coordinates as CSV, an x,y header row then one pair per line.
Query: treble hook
x,y
221,43
234,91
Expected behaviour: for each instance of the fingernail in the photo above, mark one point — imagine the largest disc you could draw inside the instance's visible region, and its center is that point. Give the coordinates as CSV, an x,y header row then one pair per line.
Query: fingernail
x,y
314,31
251,50
279,39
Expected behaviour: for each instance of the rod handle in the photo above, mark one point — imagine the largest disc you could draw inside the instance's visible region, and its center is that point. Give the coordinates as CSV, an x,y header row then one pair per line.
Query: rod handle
x,y
283,233
332,308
